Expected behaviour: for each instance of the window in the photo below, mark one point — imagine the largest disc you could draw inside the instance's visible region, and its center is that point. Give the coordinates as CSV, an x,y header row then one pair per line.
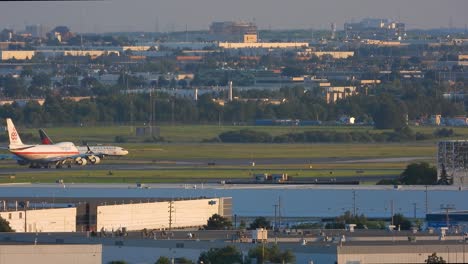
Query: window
x,y
9,216
20,215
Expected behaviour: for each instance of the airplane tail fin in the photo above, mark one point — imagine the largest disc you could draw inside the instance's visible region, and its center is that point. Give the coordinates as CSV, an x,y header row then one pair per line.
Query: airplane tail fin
x,y
89,150
15,139
44,138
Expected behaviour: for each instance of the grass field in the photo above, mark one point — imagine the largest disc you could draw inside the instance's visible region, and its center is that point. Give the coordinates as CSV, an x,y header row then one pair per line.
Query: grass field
x,y
266,151
197,133
182,175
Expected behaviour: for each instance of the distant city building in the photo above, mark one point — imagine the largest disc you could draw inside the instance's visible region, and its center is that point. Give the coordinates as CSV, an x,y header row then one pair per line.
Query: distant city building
x,y
17,54
308,53
6,35
12,45
61,33
233,28
372,28
37,31
334,93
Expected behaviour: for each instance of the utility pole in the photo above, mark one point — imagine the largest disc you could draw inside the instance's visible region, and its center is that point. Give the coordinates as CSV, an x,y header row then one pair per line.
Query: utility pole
x,y
447,207
414,207
279,211
171,210
391,206
354,202
274,221
427,203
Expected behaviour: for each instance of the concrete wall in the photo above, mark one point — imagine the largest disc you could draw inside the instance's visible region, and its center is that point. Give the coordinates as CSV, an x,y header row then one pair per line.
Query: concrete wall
x,y
157,215
42,220
50,254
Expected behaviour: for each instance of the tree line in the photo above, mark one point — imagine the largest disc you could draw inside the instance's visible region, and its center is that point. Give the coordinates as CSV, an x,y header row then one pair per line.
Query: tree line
x,y
398,135
384,111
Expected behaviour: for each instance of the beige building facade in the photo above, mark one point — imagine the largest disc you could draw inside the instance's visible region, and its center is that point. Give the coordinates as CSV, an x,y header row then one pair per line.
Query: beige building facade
x,y
42,220
398,253
263,45
159,215
17,54
51,254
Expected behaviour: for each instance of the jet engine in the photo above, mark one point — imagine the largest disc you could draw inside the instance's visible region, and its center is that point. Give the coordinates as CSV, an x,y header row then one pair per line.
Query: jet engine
x,y
22,162
94,159
81,161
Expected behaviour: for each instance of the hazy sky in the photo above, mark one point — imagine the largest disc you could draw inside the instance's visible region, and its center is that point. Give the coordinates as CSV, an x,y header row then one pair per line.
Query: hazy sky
x,y
169,15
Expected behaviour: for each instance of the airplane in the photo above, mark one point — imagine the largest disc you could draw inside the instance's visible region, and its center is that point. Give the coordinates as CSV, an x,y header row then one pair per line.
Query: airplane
x,y
37,156
96,153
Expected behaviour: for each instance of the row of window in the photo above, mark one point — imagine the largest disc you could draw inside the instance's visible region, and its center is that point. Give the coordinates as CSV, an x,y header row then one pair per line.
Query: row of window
x,y
10,216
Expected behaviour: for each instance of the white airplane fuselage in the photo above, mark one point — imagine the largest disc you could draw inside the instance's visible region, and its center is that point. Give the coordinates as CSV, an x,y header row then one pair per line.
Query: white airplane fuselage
x,y
103,150
42,153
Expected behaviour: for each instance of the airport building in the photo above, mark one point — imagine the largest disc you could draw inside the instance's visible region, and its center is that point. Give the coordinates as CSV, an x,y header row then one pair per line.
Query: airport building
x,y
308,246
41,220
452,161
160,215
106,214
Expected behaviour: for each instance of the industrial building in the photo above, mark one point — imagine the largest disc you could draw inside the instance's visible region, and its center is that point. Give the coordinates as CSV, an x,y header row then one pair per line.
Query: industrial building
x,y
41,220
263,45
308,246
159,215
455,220
91,214
232,28
452,162
50,253
17,54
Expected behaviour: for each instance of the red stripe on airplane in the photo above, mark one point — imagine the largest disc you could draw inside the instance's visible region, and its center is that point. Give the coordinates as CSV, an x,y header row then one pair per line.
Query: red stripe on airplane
x,y
73,153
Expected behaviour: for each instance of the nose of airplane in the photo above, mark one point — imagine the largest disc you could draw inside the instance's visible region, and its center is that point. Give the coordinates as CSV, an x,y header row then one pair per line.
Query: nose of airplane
x,y
124,151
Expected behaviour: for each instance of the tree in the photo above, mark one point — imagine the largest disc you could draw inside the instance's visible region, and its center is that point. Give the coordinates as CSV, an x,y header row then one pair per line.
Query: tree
x,y
217,222
260,222
419,174
5,226
163,260
293,71
434,259
272,254
389,114
444,178
403,222
225,255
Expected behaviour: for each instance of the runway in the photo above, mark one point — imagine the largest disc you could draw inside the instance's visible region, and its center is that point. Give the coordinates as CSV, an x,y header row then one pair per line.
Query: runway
x,y
191,165
207,163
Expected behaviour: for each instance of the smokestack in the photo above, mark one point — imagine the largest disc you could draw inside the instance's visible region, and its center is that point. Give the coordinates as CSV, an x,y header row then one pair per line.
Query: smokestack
x,y
230,92
333,29
196,94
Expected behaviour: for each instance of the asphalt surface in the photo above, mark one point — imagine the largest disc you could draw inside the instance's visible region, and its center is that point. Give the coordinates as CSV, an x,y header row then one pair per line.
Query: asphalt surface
x,y
201,164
